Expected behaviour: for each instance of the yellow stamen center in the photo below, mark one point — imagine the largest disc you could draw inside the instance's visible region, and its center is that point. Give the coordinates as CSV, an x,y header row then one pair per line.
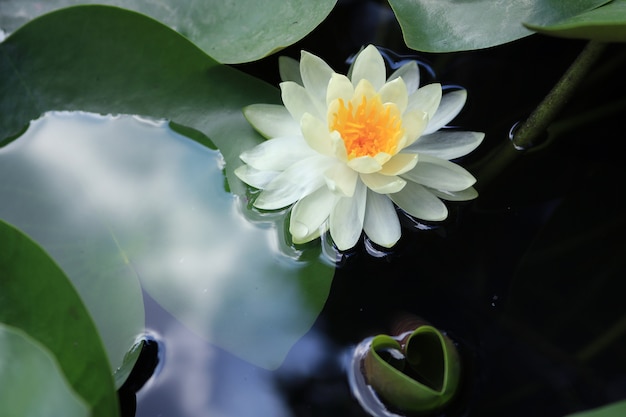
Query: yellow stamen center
x,y
370,128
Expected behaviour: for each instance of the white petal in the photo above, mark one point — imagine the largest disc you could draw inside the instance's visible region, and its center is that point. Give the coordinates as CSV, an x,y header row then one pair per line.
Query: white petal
x,y
381,222
341,179
440,174
271,120
369,65
410,73
399,164
363,88
383,184
277,154
316,134
339,147
395,92
447,144
365,164
426,99
419,202
254,177
451,104
316,75
346,219
297,181
309,214
414,122
289,69
298,101
463,195
315,233
339,87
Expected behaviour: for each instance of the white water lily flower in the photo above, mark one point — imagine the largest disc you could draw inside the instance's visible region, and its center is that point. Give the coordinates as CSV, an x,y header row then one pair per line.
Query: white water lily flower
x,y
344,150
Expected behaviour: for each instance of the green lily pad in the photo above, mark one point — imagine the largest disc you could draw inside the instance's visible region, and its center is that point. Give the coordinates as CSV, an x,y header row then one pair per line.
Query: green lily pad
x,y
419,374
229,31
32,382
617,409
606,24
452,25
37,298
166,210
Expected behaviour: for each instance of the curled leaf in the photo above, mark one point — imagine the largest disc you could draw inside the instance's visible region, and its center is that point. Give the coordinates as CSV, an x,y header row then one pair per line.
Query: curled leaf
x,y
418,374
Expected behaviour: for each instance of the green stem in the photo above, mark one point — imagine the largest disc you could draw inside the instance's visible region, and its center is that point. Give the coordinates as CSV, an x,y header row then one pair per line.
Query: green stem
x,y
544,114
539,120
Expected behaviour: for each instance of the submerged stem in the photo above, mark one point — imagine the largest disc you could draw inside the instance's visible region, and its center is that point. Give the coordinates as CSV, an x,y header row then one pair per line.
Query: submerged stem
x,y
545,112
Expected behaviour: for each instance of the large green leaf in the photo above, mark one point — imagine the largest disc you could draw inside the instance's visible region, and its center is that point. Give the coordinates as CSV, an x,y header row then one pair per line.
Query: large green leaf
x,y
96,266
36,297
32,382
217,275
606,23
162,199
452,25
617,409
229,31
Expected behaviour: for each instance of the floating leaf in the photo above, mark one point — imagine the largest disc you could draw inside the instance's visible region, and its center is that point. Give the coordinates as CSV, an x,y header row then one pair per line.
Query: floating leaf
x,y
37,298
32,382
229,31
606,24
163,201
419,374
617,409
95,264
451,25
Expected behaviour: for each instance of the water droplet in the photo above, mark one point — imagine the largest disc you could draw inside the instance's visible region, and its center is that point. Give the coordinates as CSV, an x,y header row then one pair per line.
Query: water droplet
x,y
512,133
494,299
